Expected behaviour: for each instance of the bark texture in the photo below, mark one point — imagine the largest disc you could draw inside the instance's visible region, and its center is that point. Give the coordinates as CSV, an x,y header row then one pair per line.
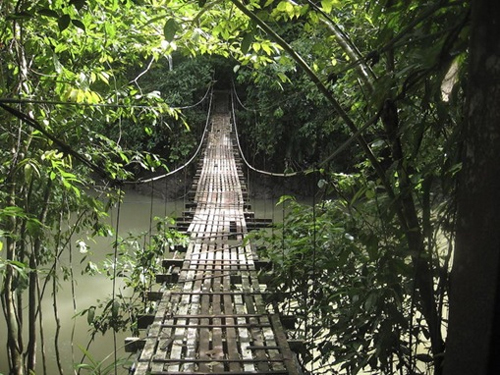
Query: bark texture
x,y
474,316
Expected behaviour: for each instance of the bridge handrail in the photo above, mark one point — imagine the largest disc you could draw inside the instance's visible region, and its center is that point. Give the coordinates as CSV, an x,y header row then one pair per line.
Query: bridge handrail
x,y
251,167
202,140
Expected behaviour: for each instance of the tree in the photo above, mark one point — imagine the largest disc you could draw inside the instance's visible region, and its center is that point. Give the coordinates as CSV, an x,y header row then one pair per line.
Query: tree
x,y
473,344
405,94
63,68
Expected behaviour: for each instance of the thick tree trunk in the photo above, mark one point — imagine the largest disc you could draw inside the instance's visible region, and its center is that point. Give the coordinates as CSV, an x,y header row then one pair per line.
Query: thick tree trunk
x,y
474,328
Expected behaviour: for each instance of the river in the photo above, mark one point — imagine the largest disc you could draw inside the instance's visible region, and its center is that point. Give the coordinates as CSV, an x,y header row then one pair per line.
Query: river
x,y
135,214
134,218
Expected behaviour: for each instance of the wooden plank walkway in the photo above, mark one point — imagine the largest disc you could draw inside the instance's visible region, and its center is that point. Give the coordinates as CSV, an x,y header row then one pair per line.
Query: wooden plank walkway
x,y
213,320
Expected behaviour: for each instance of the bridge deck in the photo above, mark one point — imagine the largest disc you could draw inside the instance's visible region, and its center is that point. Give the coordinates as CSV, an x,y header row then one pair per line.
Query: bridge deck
x,y
214,320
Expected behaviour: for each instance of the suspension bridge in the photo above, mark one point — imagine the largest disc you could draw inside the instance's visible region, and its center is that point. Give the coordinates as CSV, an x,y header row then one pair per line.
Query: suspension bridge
x,y
213,319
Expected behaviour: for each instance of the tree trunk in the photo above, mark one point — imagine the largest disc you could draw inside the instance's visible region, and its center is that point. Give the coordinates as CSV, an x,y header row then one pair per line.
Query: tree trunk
x,y
408,218
474,326
14,344
32,321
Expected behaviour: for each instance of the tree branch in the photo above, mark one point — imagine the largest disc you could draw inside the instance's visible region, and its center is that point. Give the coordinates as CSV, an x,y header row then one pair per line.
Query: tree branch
x,y
322,88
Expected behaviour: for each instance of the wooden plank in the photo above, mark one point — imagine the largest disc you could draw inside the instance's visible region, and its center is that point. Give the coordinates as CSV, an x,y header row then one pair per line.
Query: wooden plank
x,y
204,344
223,293
163,335
212,373
217,333
250,302
178,336
281,339
244,336
203,360
231,333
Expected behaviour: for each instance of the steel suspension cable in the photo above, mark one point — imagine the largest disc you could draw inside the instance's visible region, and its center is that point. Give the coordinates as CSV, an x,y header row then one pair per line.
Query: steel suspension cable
x,y
266,108
115,266
275,174
239,100
314,260
201,101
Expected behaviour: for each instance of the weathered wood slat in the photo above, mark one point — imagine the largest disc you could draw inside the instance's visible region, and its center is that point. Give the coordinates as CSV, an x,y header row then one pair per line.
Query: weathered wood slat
x,y
200,360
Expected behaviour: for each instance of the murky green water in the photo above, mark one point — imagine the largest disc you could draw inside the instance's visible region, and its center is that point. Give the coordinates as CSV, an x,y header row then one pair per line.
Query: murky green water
x,y
135,218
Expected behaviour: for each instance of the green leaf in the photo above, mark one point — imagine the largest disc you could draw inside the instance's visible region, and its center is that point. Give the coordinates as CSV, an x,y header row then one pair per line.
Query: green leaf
x,y
327,5
285,198
322,183
84,366
283,77
246,42
13,211
78,24
48,13
169,30
63,22
33,226
370,194
371,301
103,76
78,3
116,308
90,315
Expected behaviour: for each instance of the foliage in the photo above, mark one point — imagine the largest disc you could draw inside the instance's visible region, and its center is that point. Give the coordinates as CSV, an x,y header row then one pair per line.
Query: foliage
x,y
136,262
101,367
181,82
304,123
354,292
293,132
393,71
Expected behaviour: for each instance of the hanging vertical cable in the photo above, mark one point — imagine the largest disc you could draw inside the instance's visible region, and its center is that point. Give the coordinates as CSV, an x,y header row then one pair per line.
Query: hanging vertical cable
x,y
115,262
150,230
314,244
283,204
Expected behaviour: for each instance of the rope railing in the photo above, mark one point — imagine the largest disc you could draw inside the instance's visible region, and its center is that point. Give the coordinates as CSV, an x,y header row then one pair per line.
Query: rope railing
x,y
239,100
104,105
249,166
202,140
234,95
372,121
209,89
